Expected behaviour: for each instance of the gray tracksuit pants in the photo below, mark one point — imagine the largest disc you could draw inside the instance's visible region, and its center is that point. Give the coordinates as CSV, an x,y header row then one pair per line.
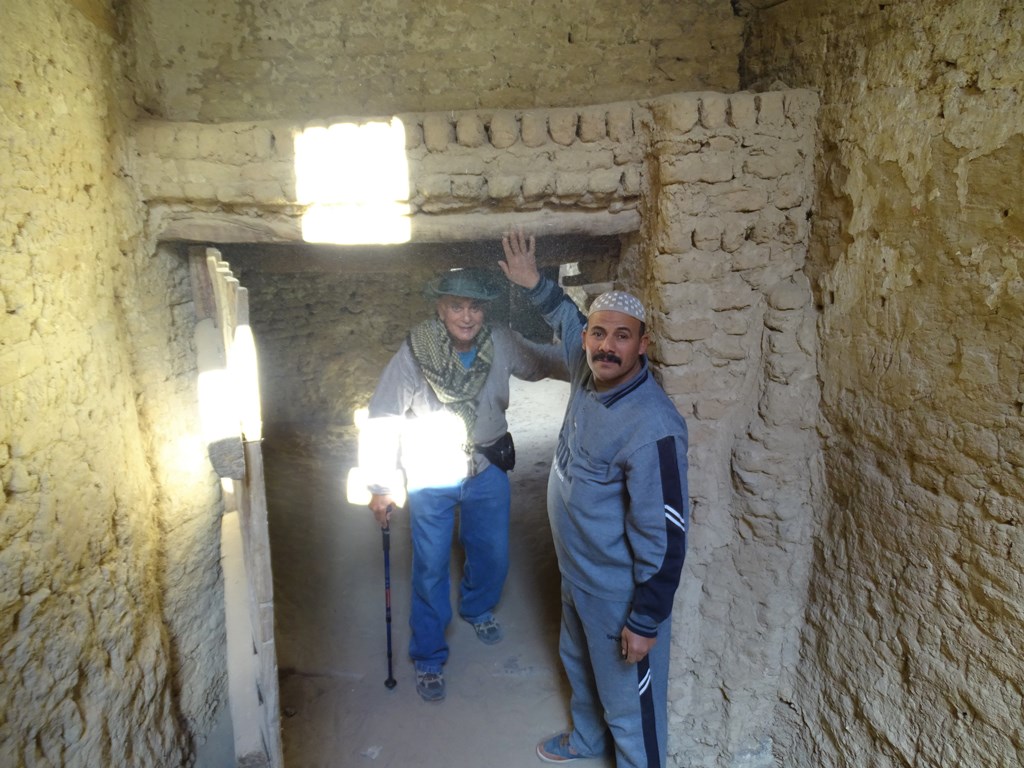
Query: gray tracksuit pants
x,y
612,700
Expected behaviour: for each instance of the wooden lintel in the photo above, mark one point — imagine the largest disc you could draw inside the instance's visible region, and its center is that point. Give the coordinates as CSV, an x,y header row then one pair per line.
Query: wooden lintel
x,y
552,251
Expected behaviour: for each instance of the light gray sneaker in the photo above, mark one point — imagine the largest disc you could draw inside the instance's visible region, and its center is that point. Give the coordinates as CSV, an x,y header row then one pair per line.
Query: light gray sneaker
x,y
430,685
489,631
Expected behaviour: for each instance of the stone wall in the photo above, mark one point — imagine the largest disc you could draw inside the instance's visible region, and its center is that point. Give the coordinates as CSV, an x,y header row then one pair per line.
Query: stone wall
x,y
712,194
724,242
911,653
577,169
111,640
324,339
260,60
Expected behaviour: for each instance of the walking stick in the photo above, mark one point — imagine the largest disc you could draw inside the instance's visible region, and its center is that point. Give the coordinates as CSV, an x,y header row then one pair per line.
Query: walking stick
x,y
386,535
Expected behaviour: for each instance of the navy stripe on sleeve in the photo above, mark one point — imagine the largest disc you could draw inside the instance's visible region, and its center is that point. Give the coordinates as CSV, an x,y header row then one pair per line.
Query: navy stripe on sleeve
x,y
654,597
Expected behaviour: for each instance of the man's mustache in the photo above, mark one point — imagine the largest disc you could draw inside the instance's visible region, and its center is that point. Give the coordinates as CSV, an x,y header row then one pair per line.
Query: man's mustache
x,y
602,357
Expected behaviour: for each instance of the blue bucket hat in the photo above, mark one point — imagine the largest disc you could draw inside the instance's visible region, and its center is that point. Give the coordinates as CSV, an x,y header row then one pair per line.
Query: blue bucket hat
x,y
468,283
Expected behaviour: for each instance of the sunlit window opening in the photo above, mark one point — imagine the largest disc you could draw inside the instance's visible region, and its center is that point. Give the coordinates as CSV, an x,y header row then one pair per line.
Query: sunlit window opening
x,y
355,179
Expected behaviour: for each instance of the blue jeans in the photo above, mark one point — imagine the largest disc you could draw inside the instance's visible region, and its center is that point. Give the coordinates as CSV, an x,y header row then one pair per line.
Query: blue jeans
x,y
483,501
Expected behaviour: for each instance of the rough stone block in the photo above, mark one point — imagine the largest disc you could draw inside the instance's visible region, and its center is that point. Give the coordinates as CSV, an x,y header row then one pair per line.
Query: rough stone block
x,y
689,295
438,132
674,235
789,193
731,293
535,129
770,109
469,187
194,191
723,143
707,234
714,109
750,255
687,380
571,184
538,185
734,322
775,162
710,408
678,113
790,295
741,200
604,181
726,347
693,266
413,133
580,158
563,125
434,186
212,144
707,168
470,131
681,199
671,353
620,122
504,130
742,111
504,187
734,232
632,180
593,125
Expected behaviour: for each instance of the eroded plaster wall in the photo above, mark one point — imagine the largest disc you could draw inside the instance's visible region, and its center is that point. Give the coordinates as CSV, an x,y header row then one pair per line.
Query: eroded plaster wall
x,y
111,639
259,60
911,653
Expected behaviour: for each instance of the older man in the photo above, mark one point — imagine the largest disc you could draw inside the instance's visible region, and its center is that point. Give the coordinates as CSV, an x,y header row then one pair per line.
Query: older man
x,y
618,506
453,369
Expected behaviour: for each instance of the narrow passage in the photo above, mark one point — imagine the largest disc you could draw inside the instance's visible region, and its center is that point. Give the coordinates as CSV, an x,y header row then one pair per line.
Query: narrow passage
x,y
330,618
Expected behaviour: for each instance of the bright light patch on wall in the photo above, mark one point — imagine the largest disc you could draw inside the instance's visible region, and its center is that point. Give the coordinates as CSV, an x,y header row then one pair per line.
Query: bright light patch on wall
x,y
217,408
354,178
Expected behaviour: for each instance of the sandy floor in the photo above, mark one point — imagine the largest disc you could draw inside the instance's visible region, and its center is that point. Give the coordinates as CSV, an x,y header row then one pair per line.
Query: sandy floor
x,y
331,631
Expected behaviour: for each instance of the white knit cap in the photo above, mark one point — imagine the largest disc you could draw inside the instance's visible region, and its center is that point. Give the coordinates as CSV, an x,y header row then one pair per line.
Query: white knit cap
x,y
619,301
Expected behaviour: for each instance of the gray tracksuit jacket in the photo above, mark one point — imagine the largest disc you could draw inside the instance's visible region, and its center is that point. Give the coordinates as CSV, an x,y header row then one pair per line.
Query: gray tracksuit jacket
x,y
617,493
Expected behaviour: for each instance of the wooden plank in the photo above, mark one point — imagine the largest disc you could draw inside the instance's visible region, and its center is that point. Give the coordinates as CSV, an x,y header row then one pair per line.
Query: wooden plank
x,y
222,227
252,662
243,664
242,312
202,286
552,251
256,520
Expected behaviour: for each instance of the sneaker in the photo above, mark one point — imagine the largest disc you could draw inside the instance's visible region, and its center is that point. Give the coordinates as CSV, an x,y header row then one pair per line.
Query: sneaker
x,y
489,631
557,750
429,685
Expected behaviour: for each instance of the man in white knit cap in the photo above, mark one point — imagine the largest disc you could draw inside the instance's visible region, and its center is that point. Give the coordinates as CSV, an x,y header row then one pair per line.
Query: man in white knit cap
x,y
619,513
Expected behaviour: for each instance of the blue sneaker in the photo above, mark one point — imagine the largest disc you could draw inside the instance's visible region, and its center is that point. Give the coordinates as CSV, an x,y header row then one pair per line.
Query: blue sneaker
x,y
557,750
488,631
430,684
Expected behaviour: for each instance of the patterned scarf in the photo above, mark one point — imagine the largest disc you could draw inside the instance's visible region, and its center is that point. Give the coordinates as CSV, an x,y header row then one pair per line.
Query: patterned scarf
x,y
456,387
